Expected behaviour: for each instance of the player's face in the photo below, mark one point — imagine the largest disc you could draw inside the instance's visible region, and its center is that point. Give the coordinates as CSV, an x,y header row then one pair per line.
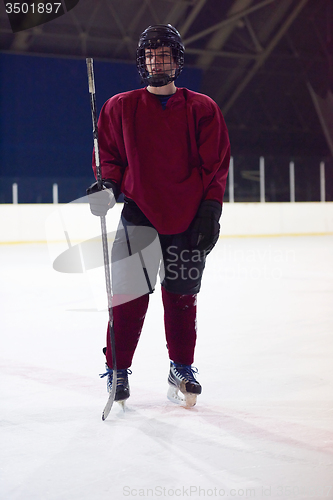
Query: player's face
x,y
160,60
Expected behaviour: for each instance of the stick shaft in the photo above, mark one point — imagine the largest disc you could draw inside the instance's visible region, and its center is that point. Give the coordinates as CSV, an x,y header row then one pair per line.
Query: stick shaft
x,y
92,93
91,83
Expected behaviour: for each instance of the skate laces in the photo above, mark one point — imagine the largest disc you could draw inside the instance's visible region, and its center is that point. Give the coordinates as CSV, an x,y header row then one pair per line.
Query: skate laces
x,y
186,372
121,374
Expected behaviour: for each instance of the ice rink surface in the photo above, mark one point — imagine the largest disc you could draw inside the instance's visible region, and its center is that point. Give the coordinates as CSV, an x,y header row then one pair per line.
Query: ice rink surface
x,y
262,428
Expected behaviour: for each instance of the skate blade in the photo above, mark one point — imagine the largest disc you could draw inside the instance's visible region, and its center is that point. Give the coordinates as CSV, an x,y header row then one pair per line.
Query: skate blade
x,y
122,404
188,401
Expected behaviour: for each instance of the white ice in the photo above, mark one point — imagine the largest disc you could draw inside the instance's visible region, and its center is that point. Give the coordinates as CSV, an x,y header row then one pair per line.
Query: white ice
x,y
262,428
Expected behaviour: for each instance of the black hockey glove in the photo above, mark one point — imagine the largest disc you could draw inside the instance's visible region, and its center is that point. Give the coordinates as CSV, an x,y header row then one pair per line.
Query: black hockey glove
x,y
205,227
101,200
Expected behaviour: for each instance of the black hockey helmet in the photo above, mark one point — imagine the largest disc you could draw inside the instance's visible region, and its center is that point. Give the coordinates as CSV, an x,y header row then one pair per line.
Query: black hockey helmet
x,y
159,35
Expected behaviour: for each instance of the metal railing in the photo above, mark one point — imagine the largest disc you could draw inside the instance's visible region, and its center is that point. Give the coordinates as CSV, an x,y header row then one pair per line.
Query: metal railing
x,y
250,179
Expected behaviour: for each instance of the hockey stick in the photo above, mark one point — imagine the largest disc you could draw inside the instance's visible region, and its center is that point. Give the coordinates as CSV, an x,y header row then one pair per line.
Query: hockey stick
x,y
91,83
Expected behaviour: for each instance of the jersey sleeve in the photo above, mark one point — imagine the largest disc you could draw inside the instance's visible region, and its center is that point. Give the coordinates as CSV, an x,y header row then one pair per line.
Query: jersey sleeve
x,y
111,145
214,152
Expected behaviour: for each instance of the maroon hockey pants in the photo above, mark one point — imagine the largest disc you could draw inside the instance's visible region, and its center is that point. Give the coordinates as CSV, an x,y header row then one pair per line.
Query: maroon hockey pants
x,y
179,321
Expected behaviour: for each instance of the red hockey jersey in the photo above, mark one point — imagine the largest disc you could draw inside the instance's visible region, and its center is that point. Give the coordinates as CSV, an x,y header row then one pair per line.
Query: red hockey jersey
x,y
166,160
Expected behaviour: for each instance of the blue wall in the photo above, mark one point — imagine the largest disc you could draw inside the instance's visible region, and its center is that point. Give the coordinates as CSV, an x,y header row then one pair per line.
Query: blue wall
x,y
45,122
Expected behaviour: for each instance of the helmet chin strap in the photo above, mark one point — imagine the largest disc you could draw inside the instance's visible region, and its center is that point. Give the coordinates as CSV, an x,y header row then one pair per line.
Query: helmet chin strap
x,y
159,80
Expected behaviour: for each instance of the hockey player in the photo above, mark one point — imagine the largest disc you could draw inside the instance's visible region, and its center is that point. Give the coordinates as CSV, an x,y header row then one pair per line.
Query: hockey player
x,y
167,150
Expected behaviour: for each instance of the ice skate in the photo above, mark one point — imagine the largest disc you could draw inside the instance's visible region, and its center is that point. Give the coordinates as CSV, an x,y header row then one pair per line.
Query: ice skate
x,y
181,378
122,390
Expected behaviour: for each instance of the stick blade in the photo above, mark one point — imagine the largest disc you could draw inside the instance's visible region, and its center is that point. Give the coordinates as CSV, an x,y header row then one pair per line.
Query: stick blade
x,y
112,394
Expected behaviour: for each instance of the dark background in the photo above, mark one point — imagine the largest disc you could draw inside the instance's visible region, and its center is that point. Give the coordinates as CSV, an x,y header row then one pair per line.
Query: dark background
x,y
46,127
255,58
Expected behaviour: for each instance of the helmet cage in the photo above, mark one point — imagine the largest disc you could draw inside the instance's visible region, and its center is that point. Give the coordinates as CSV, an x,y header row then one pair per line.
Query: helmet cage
x,y
152,38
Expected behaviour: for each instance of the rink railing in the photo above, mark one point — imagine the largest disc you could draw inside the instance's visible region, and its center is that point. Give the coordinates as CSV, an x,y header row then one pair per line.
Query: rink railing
x,y
262,181
259,175
33,222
